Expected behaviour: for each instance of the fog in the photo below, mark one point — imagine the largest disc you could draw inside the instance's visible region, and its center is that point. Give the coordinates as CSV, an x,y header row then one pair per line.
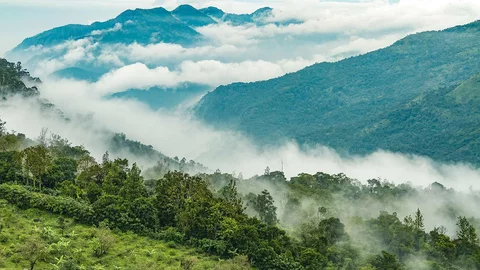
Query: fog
x,y
176,133
329,31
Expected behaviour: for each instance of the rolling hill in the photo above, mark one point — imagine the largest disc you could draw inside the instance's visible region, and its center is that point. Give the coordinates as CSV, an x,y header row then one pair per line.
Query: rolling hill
x,y
396,98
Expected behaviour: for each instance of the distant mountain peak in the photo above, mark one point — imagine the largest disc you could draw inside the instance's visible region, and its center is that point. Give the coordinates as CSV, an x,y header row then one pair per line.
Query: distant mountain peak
x,y
185,8
140,12
192,16
213,12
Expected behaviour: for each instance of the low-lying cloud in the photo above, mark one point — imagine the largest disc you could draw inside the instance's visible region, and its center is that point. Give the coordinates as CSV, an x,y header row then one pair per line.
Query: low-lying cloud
x,y
178,134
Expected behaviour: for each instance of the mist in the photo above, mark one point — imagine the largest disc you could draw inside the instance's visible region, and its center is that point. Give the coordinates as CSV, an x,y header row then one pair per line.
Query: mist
x,y
177,133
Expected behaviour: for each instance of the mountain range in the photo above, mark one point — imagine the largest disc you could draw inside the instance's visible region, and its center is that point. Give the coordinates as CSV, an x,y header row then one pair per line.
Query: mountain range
x,y
141,26
146,26
417,96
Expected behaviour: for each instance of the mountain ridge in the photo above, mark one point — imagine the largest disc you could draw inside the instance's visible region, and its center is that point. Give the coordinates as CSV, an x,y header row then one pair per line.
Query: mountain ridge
x,y
333,103
181,21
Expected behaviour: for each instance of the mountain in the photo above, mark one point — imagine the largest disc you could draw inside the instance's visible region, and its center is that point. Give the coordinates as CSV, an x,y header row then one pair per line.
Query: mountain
x,y
258,17
369,102
139,25
13,80
167,98
192,17
77,73
144,26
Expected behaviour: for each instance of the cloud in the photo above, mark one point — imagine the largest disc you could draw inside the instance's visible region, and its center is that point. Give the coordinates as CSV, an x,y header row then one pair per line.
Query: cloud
x,y
178,134
208,72
115,28
331,31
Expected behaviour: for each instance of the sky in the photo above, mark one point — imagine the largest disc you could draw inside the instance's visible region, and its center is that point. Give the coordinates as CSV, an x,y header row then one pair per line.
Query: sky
x,y
26,18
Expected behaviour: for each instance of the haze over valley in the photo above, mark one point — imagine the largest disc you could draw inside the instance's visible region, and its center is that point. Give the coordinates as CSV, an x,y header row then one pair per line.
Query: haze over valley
x,y
333,134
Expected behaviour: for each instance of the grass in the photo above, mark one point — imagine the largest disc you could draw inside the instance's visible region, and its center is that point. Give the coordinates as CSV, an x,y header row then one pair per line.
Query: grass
x,y
77,243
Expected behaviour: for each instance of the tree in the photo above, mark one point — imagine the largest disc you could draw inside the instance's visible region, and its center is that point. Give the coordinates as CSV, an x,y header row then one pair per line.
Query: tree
x,y
386,261
267,171
173,192
418,222
37,160
230,194
61,169
134,187
104,240
466,232
33,250
264,205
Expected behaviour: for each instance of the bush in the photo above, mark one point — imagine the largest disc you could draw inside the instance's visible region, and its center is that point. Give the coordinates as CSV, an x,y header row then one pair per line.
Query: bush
x,y
188,263
3,238
217,247
23,198
170,235
103,242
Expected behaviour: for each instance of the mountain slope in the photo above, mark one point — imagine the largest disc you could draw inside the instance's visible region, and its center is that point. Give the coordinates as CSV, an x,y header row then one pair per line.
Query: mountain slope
x,y
67,238
257,17
12,78
143,26
139,25
191,16
339,104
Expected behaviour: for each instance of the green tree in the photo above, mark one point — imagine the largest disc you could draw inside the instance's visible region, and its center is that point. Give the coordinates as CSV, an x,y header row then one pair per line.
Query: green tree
x,y
465,231
37,160
33,249
264,205
134,187
386,261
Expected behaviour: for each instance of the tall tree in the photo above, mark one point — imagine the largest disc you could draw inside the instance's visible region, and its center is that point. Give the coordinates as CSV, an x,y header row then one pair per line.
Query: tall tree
x,y
37,160
466,232
134,187
264,205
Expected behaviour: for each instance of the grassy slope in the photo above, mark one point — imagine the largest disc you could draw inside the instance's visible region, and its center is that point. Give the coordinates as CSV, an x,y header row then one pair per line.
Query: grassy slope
x,y
130,251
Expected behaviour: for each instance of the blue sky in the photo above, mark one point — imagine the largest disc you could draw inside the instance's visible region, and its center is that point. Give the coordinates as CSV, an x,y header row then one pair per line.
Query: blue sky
x,y
25,21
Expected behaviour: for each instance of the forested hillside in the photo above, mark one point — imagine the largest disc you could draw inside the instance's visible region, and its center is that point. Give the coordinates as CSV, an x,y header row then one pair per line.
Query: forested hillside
x,y
117,144
391,99
316,221
63,208
13,78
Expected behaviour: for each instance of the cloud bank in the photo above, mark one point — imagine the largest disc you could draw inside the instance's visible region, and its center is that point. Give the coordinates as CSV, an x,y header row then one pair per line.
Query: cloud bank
x,y
178,134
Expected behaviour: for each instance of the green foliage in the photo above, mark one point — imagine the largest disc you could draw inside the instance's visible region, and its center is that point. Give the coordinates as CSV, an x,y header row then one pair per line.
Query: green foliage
x,y
397,99
386,261
11,80
264,205
35,234
206,212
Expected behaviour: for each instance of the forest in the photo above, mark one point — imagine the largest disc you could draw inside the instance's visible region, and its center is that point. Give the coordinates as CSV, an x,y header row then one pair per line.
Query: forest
x,y
61,208
265,222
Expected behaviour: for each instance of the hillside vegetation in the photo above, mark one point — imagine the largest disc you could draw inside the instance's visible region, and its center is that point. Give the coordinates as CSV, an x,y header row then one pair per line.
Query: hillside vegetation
x,y
58,242
391,99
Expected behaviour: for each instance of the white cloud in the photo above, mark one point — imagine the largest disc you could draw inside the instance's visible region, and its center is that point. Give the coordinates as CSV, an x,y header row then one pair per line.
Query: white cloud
x,y
178,134
207,72
115,28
